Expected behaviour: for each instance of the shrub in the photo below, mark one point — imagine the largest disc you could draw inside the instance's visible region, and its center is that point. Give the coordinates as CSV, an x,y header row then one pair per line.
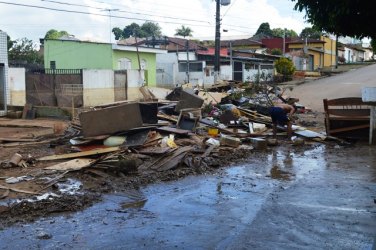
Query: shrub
x,y
285,66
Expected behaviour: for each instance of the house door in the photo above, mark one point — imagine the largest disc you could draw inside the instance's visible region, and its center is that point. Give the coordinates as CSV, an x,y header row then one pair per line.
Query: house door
x,y
120,85
310,63
238,71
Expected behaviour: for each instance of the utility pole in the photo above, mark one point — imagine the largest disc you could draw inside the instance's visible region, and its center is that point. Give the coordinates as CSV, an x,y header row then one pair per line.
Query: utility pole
x,y
217,41
336,51
187,47
284,42
109,15
231,62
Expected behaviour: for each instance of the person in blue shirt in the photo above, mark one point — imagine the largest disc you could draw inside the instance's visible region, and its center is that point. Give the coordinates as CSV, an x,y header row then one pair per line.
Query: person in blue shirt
x,y
281,114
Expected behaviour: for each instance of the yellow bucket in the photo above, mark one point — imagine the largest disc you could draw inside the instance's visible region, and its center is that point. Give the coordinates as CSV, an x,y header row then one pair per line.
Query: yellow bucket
x,y
213,131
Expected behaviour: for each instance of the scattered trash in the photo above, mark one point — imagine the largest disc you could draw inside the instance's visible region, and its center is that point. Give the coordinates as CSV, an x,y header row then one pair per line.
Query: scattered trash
x,y
187,132
213,142
226,140
114,141
13,180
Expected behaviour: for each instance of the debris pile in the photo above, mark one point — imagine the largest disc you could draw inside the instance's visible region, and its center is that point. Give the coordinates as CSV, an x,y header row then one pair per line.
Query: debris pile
x,y
190,131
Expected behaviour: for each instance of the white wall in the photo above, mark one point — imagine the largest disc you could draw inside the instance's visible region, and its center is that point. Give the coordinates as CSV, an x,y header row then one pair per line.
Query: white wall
x,y
167,58
4,93
349,55
135,80
16,87
226,72
167,68
182,56
166,75
98,87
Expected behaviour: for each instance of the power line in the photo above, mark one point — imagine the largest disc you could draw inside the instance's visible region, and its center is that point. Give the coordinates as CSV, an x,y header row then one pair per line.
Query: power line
x,y
233,3
153,3
95,14
124,11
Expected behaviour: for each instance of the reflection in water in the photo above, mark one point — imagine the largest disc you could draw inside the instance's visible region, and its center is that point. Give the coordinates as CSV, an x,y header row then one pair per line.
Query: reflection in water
x,y
288,159
134,204
279,174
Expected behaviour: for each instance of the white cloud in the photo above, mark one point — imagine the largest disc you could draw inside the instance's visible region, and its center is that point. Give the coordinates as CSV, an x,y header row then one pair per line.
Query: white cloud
x,y
242,17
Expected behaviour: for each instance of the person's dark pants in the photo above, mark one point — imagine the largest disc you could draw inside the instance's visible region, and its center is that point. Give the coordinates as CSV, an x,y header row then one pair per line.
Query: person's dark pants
x,y
278,116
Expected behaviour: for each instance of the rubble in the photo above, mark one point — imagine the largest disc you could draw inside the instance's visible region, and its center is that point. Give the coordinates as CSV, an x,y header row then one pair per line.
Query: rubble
x,y
164,139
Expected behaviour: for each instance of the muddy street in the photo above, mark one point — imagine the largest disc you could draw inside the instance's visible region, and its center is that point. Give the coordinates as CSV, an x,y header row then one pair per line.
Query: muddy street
x,y
322,197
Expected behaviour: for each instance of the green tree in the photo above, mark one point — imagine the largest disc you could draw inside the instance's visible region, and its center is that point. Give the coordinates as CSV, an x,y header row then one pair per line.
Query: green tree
x,y
54,34
117,32
285,67
278,32
341,17
24,50
311,33
132,30
151,29
183,31
264,30
9,42
146,30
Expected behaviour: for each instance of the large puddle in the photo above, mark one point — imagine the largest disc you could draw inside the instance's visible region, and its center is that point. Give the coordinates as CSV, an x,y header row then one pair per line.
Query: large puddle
x,y
213,211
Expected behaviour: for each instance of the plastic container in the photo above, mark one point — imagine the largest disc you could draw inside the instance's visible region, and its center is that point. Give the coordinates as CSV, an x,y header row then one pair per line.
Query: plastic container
x,y
213,132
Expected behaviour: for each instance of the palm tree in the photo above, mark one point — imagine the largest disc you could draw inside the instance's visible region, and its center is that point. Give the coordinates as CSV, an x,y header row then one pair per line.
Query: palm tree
x,y
183,31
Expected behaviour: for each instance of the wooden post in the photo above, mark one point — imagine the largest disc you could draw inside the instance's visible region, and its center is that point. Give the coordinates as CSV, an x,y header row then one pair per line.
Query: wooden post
x,y
372,125
72,107
369,97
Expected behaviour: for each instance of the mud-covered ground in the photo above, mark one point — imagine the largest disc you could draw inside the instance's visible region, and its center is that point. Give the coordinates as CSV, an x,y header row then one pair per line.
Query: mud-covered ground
x,y
92,182
316,196
77,190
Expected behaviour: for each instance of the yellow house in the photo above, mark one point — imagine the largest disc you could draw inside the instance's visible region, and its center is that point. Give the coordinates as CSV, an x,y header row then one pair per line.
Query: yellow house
x,y
312,54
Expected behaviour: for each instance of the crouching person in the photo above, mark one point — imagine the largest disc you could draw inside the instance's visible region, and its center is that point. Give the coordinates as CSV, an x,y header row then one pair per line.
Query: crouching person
x,y
281,114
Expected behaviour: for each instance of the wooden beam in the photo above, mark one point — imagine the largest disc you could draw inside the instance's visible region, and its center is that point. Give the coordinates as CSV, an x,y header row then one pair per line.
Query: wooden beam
x,y
372,128
338,130
72,165
79,154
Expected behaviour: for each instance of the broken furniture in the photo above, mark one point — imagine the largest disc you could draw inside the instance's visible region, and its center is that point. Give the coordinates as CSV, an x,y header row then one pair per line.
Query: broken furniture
x,y
369,97
347,117
111,120
188,100
189,118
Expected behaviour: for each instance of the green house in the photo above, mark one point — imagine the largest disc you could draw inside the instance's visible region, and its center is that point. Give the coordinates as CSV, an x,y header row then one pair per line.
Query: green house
x,y
75,54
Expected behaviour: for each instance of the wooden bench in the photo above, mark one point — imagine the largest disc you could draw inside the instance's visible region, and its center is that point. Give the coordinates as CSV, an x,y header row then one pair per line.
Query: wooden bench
x,y
347,118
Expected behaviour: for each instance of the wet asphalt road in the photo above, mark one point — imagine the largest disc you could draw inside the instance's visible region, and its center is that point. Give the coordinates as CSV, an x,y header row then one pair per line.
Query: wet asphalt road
x,y
322,198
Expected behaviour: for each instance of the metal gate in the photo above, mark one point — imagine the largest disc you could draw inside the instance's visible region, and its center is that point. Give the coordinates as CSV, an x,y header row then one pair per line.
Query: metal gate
x,y
44,87
120,85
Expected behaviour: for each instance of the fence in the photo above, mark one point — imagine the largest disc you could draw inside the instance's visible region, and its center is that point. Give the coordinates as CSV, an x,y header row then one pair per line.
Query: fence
x,y
44,87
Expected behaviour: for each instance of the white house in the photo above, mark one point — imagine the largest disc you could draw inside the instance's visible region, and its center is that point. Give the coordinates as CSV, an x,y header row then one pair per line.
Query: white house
x,y
3,73
368,52
178,68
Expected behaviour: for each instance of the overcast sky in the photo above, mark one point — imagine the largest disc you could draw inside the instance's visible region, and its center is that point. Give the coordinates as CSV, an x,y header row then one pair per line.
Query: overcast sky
x,y
240,18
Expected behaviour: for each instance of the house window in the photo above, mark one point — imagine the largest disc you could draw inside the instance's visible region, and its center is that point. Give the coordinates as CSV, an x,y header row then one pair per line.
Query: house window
x,y
52,64
193,67
124,63
144,64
